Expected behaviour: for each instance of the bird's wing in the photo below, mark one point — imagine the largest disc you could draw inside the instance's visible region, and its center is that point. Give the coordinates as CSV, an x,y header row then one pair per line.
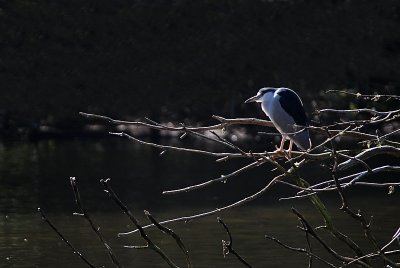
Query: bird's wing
x,y
292,104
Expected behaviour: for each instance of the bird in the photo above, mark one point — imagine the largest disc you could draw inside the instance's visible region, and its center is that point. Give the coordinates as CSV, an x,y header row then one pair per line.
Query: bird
x,y
285,109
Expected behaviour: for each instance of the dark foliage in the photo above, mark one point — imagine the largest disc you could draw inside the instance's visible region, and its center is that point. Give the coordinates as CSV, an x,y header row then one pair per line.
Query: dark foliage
x,y
186,59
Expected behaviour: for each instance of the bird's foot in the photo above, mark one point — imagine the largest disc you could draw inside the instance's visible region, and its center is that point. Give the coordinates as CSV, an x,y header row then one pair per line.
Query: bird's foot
x,y
278,153
281,153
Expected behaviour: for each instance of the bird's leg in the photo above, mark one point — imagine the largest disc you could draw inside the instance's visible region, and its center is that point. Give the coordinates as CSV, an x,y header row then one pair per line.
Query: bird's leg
x,y
290,149
282,144
279,151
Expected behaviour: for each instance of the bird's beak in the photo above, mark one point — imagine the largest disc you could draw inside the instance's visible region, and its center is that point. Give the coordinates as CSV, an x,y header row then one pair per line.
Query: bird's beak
x,y
252,99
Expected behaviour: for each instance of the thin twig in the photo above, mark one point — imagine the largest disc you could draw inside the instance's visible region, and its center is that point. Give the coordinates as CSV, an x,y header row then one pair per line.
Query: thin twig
x,y
124,208
394,238
386,149
74,250
357,111
227,246
223,178
365,96
327,183
225,122
311,231
171,233
212,212
301,250
95,229
357,216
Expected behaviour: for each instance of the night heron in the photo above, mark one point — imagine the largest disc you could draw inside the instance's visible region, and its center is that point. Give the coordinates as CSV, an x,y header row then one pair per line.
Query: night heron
x,y
285,109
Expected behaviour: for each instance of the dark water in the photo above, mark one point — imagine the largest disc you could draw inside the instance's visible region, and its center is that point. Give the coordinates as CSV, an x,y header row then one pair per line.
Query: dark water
x,y
37,175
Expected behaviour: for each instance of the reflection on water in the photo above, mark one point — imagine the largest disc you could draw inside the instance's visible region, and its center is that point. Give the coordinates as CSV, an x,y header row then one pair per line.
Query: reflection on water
x,y
33,175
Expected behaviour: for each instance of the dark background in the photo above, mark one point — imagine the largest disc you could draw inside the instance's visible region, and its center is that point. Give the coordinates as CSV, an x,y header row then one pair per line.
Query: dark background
x,y
186,60
179,61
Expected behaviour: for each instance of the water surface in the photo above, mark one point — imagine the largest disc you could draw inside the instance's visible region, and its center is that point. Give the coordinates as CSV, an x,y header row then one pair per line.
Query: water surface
x,y
37,175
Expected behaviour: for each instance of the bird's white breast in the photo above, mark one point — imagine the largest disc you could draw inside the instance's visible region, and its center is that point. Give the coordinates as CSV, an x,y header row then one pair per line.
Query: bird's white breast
x,y
273,109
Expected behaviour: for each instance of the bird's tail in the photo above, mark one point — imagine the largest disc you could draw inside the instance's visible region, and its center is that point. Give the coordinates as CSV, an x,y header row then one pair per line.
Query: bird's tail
x,y
302,140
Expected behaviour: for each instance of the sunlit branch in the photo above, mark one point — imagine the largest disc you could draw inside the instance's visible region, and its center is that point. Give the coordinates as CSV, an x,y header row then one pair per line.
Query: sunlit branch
x,y
225,122
387,118
356,111
341,160
223,178
390,134
171,233
386,149
394,238
222,155
373,255
168,147
374,97
379,169
212,212
326,184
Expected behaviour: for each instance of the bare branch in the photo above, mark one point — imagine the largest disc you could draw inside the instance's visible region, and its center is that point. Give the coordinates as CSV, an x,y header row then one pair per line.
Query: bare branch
x,y
301,250
74,250
326,184
372,255
386,149
364,174
227,246
394,238
357,111
311,231
124,208
220,179
167,147
374,97
212,212
225,122
95,229
357,216
171,233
